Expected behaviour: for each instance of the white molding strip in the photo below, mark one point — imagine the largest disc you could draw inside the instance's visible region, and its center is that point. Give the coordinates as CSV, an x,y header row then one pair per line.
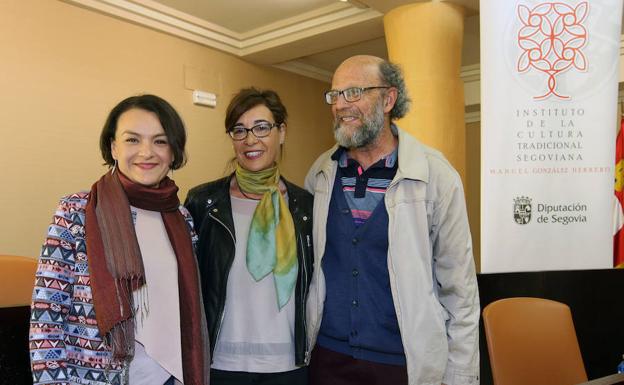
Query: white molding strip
x,y
180,24
172,12
472,117
334,11
172,22
304,69
470,73
307,28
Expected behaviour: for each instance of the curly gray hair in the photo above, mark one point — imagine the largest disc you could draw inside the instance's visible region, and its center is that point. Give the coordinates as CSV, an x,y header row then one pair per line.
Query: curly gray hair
x,y
392,75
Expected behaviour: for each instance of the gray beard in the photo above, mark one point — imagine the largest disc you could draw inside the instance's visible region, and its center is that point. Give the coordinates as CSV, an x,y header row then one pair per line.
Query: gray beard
x,y
363,136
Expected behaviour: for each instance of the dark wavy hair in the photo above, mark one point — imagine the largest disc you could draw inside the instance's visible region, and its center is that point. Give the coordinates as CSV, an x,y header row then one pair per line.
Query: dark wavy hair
x,y
248,98
392,75
167,115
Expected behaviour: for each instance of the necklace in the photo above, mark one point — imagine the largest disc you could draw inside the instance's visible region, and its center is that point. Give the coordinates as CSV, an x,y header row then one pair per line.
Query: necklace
x,y
247,196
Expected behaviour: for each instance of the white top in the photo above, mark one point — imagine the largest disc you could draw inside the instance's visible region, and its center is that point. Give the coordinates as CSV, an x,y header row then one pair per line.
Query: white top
x,y
255,336
158,348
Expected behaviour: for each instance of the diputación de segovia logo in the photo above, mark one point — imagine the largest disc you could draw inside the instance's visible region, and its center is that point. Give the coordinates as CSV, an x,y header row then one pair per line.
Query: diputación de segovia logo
x,y
522,210
562,213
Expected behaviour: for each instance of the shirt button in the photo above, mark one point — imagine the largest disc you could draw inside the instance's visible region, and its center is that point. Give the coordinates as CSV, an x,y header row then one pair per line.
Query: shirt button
x,y
346,211
354,333
354,303
354,241
355,272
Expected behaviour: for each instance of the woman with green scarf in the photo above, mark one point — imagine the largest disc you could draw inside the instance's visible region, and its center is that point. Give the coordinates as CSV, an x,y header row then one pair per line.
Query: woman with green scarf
x,y
255,252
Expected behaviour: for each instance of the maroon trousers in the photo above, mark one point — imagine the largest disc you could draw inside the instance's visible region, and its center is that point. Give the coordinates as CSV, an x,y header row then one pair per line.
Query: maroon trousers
x,y
330,368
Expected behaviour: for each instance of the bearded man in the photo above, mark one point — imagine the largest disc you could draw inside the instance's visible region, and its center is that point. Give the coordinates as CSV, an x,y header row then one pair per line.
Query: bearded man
x,y
394,297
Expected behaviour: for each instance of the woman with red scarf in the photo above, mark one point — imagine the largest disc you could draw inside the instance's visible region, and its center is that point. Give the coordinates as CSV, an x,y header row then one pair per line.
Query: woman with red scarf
x,y
116,298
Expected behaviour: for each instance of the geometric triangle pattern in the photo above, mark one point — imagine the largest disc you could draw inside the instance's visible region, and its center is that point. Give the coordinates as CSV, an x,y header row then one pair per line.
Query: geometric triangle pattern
x,y
191,227
65,343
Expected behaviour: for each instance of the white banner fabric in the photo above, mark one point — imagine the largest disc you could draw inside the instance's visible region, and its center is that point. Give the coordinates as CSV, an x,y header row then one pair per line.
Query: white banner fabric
x,y
548,115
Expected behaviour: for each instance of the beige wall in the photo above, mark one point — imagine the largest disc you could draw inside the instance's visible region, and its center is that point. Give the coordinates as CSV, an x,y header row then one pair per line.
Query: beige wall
x,y
62,68
473,186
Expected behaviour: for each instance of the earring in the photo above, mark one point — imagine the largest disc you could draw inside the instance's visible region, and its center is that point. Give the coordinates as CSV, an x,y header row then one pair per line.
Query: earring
x,y
114,167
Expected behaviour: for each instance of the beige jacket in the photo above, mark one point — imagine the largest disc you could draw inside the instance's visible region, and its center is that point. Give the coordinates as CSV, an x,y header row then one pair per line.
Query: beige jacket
x,y
432,273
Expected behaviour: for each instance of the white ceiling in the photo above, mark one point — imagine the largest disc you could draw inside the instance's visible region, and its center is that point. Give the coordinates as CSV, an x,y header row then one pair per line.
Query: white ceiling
x,y
245,15
309,37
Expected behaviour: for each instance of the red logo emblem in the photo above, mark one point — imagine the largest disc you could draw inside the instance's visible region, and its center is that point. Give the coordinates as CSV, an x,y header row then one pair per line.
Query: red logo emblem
x,y
551,38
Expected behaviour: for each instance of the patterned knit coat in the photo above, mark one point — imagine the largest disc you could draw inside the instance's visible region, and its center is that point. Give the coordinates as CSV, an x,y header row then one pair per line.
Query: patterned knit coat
x,y
66,347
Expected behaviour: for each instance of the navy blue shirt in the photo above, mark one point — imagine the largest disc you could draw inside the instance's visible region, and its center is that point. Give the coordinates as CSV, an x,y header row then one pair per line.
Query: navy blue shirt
x,y
359,317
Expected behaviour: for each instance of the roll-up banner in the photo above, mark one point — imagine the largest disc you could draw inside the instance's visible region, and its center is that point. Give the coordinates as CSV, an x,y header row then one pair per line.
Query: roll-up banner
x,y
549,83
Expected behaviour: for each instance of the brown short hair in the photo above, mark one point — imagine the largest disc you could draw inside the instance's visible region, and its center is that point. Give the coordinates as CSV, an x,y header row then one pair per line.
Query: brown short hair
x,y
167,115
248,98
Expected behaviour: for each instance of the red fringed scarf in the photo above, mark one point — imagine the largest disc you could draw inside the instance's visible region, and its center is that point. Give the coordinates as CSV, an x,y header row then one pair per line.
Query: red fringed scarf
x,y
116,266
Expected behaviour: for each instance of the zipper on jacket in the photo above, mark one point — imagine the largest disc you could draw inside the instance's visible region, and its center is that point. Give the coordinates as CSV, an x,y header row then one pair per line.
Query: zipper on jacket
x,y
223,224
222,311
303,297
317,272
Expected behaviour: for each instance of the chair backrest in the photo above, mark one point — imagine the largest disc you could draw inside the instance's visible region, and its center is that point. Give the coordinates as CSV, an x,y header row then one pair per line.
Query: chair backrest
x,y
17,279
532,341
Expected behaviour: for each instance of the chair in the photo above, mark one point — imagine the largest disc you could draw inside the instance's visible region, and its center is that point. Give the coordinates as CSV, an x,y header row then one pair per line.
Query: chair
x,y
532,341
16,280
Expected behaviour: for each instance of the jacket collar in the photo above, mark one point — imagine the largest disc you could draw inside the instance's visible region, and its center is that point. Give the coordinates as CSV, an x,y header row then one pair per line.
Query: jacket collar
x,y
412,158
219,204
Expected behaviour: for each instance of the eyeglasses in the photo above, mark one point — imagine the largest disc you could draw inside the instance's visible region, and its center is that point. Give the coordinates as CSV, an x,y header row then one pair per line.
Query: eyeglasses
x,y
260,130
352,94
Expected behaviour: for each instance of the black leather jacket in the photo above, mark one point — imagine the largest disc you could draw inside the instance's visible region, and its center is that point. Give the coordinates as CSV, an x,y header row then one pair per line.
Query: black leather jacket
x,y
211,208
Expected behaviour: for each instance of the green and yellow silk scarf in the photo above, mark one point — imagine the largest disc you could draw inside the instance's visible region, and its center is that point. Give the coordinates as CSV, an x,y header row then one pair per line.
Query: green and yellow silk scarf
x,y
271,245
